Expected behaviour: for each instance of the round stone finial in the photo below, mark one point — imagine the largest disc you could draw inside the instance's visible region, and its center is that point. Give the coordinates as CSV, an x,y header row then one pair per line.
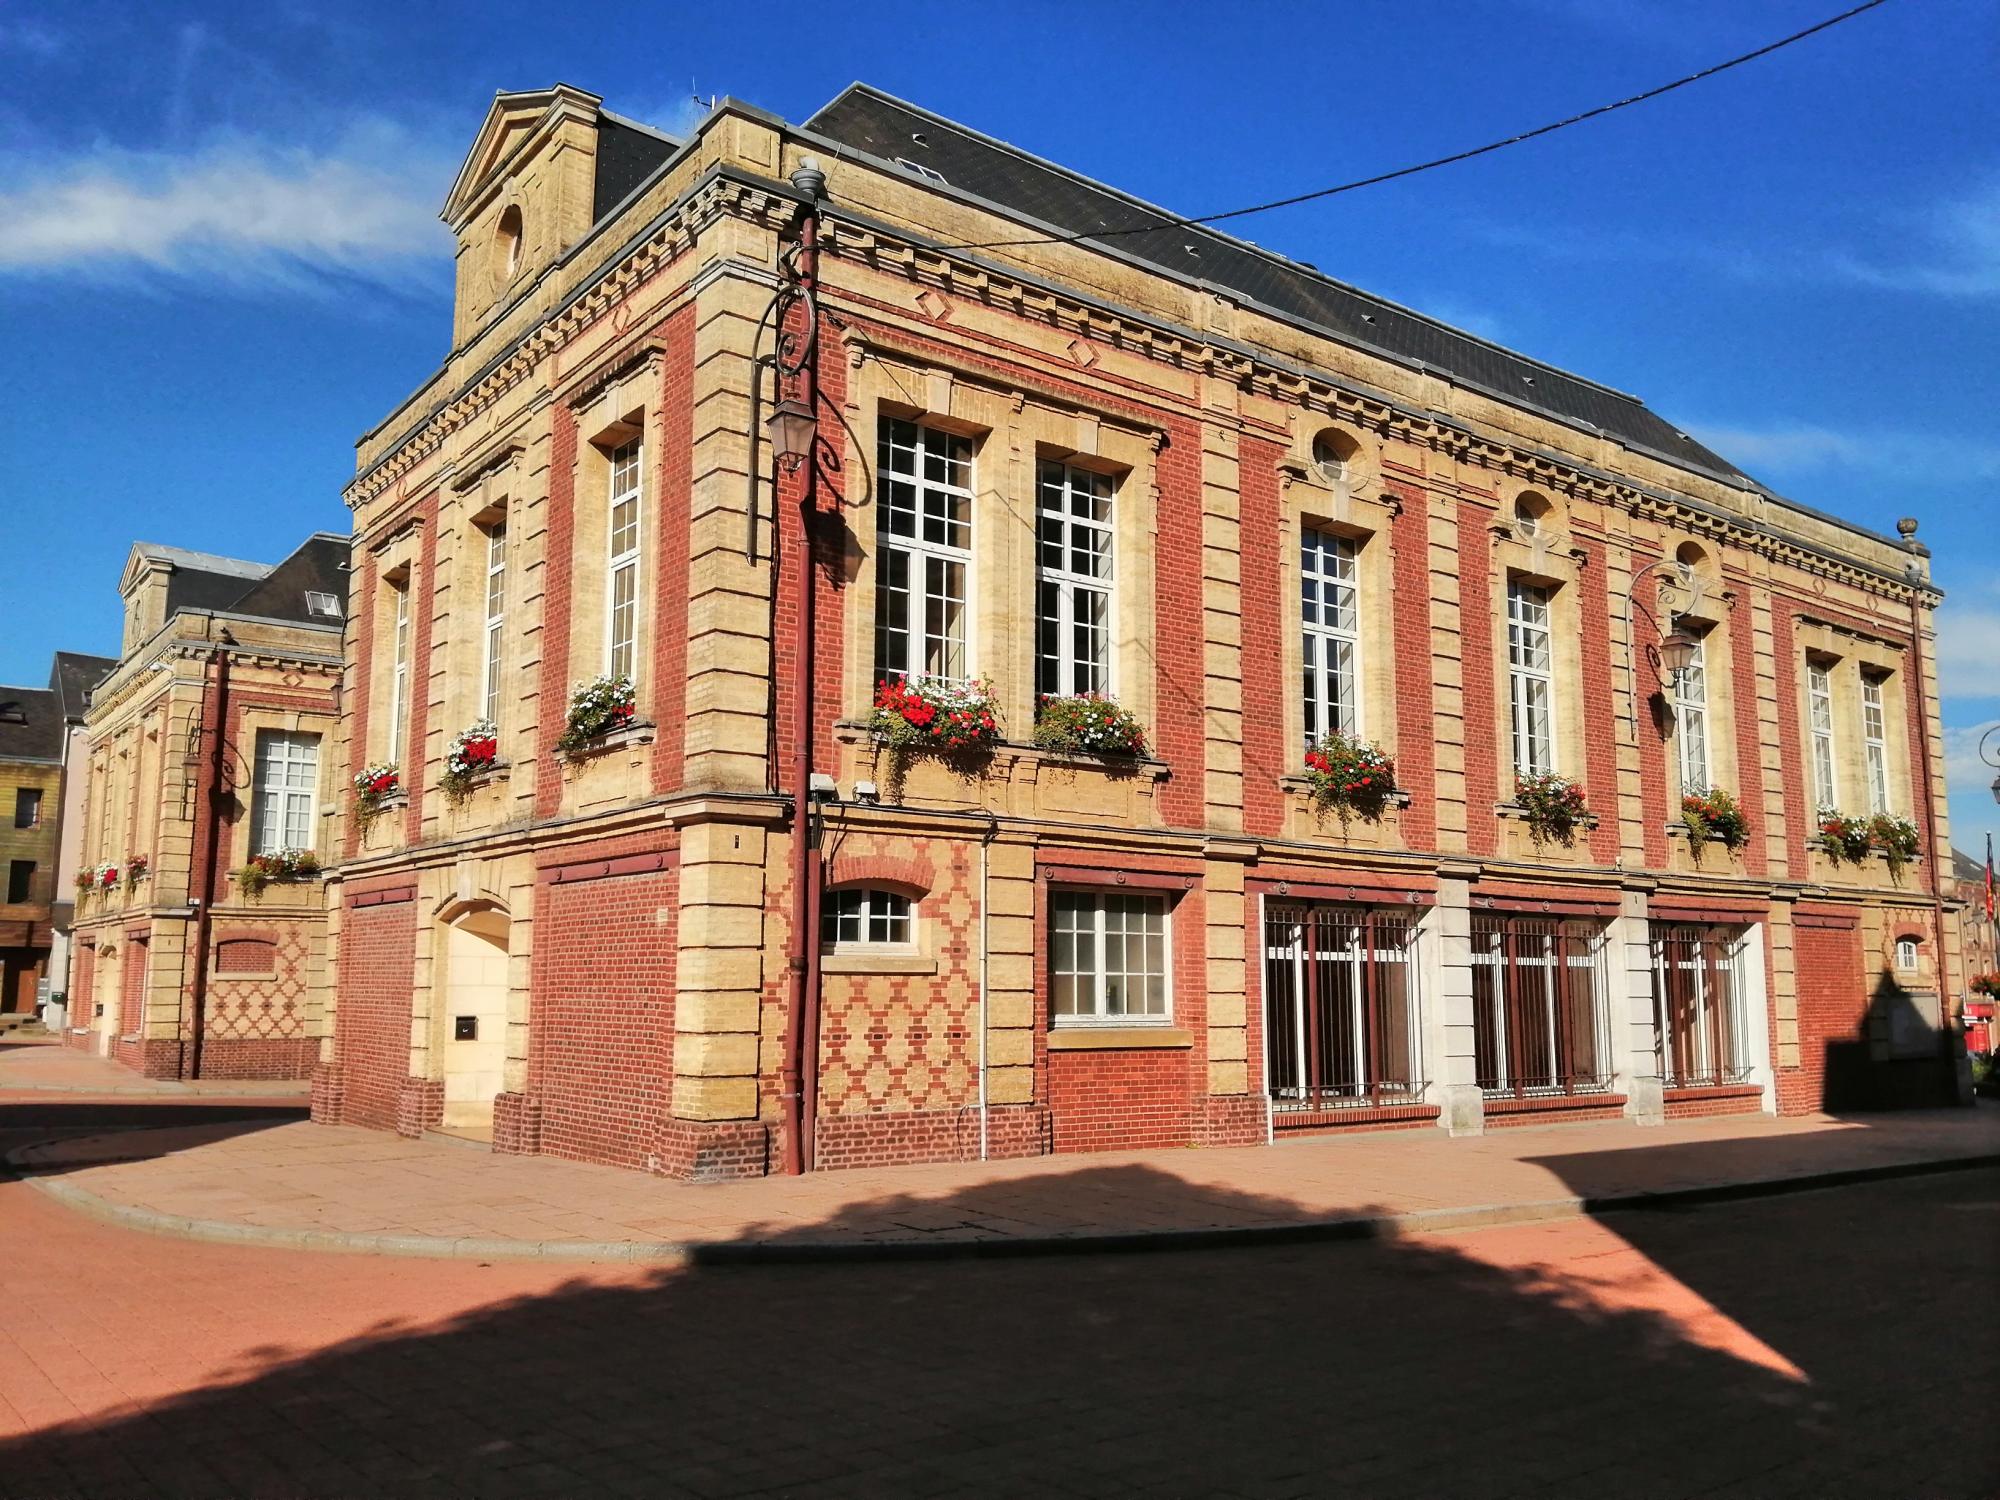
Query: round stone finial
x,y
1907,527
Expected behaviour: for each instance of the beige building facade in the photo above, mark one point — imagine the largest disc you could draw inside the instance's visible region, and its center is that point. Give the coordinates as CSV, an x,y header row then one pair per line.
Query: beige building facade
x,y
724,926
199,939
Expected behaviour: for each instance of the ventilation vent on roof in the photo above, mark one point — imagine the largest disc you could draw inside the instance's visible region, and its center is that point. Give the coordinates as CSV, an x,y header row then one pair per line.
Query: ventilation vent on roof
x,y
12,713
918,169
322,606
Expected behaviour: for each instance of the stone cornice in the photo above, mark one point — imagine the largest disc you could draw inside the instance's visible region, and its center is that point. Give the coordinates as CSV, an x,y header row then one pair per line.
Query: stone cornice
x,y
670,235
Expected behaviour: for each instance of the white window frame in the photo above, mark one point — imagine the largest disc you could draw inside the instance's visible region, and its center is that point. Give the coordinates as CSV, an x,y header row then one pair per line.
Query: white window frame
x,y
877,913
1875,742
1531,688
625,484
1819,722
1062,591
494,648
1691,719
1330,633
943,654
399,668
286,792
1099,905
1906,954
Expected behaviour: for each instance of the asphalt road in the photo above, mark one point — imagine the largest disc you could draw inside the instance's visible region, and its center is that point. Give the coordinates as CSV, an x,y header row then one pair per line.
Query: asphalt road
x,y
1836,1343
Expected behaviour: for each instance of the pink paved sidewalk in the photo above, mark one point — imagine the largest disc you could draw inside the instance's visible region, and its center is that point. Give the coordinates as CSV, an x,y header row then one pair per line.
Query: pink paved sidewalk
x,y
321,1186
43,1065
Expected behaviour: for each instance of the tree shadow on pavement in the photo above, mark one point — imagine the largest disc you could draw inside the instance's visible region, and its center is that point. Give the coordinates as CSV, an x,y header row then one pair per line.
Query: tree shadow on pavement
x,y
1454,1366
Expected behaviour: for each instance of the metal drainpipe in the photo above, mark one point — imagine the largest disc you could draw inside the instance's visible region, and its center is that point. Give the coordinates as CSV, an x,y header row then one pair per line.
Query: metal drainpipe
x,y
213,707
799,1074
1930,803
992,831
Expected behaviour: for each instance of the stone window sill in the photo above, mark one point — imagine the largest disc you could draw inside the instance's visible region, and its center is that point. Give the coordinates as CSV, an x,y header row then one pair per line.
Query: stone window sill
x,y
1519,814
1117,1038
860,961
500,770
639,732
853,732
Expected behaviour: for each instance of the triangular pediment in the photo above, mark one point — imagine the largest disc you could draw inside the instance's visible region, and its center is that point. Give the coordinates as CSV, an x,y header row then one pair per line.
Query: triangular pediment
x,y
513,121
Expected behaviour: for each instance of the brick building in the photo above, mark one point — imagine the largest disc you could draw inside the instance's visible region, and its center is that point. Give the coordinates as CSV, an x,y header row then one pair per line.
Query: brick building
x,y
199,935
1253,505
1979,950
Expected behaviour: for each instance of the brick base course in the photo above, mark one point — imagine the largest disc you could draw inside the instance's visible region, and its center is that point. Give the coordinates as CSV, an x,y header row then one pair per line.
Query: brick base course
x,y
944,1135
702,1151
419,1105
517,1124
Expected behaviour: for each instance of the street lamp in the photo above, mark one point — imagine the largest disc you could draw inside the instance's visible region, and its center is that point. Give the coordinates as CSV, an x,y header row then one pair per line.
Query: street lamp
x,y
1677,649
1991,757
790,428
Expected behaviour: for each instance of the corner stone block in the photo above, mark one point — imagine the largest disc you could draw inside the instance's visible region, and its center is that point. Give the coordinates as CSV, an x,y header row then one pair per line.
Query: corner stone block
x,y
719,1055
697,1098
1228,1078
1010,1085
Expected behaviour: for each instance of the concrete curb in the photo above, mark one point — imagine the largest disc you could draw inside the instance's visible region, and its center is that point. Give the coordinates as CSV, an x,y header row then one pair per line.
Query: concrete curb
x,y
1089,1242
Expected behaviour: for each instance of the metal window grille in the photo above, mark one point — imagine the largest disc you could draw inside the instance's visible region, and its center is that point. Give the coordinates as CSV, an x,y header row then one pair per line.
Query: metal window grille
x,y
1074,532
621,594
1329,619
1691,720
1539,1019
1819,706
496,615
1341,1019
1698,1016
1874,740
924,557
1530,678
286,791
1108,958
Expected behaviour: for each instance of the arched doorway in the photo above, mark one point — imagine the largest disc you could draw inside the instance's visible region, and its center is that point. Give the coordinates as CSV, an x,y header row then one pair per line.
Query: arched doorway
x,y
474,1046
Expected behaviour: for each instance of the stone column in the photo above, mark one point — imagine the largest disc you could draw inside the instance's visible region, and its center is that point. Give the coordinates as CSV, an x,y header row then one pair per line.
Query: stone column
x,y
1444,937
1628,998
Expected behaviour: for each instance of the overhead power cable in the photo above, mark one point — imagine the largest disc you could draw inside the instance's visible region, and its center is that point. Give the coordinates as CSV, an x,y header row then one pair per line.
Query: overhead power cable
x,y
1426,166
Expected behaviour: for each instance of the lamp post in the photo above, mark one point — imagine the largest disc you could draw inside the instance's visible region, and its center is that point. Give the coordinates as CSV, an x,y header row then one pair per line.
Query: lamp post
x,y
1677,646
1991,757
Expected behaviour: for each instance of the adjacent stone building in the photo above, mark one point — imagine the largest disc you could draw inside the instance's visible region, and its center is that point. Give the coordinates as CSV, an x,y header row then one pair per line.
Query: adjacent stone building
x,y
199,935
728,929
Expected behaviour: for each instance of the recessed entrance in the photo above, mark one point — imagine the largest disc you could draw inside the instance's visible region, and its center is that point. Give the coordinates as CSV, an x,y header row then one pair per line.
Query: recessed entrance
x,y
474,1041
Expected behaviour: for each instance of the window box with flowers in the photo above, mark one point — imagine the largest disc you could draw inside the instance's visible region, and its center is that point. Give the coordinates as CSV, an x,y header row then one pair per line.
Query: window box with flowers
x,y
107,877
1896,838
283,866
1088,724
472,761
602,716
932,716
376,789
1552,805
137,867
1713,816
1842,839
1351,777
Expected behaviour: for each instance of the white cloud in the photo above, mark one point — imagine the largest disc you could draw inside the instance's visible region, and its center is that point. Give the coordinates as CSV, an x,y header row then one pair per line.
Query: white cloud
x,y
232,210
1962,258
1968,650
1969,786
1804,448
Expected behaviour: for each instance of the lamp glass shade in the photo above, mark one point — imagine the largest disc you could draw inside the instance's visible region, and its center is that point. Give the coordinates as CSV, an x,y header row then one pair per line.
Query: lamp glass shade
x,y
1996,788
790,429
1677,649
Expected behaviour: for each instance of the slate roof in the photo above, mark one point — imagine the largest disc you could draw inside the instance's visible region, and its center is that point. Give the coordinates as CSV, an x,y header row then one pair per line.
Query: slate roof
x,y
73,675
316,567
30,724
870,121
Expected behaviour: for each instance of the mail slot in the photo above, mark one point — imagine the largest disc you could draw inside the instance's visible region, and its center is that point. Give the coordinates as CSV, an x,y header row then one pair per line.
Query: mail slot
x,y
465,1028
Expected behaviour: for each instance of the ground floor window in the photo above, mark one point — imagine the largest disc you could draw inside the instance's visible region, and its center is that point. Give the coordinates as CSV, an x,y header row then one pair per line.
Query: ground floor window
x,y
864,917
1108,959
1700,1026
1340,1009
1538,1006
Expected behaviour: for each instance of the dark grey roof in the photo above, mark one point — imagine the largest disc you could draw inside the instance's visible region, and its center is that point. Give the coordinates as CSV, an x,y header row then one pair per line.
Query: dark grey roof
x,y
870,121
627,154
30,724
1965,867
73,675
317,566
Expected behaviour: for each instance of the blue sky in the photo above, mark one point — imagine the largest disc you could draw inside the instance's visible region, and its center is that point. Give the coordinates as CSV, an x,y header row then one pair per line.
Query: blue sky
x,y
220,259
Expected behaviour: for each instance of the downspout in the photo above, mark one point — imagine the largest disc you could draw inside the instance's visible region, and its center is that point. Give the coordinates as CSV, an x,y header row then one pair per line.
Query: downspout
x,y
202,883
992,831
799,1074
1908,527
